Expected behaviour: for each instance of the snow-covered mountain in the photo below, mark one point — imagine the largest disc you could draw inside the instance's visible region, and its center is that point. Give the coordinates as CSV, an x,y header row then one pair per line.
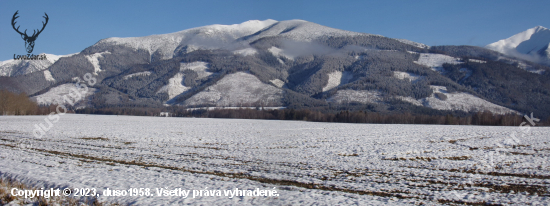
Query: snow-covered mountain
x,y
292,63
165,46
236,37
21,67
532,44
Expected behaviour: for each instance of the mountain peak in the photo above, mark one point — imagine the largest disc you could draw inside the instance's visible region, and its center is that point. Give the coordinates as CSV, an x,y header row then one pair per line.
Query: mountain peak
x,y
513,41
540,28
525,45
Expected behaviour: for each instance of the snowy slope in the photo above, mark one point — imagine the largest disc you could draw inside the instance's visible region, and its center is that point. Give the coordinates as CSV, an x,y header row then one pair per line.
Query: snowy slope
x,y
300,30
277,52
48,76
146,73
416,44
174,87
454,101
175,84
206,37
458,101
200,67
407,75
55,94
337,78
545,51
532,39
246,51
21,67
234,37
277,82
238,89
531,45
94,60
349,96
436,61
307,163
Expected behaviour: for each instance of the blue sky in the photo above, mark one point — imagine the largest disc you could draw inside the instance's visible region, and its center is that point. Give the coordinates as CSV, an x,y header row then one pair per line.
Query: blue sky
x,y
75,25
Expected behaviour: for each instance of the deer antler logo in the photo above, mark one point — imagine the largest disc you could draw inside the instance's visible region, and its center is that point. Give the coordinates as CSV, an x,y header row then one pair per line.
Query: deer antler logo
x,y
29,41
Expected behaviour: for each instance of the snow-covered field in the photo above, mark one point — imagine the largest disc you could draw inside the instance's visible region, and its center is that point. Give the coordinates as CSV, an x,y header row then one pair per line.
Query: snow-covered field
x,y
307,163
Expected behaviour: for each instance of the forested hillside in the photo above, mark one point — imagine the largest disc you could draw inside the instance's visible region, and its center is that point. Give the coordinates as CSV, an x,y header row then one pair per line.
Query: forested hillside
x,y
294,64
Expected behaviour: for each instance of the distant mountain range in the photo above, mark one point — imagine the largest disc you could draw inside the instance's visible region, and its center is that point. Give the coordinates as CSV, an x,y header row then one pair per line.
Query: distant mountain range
x,y
295,64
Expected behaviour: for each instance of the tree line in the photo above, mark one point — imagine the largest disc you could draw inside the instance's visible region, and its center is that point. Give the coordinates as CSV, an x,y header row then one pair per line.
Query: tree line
x,y
479,118
16,104
20,104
